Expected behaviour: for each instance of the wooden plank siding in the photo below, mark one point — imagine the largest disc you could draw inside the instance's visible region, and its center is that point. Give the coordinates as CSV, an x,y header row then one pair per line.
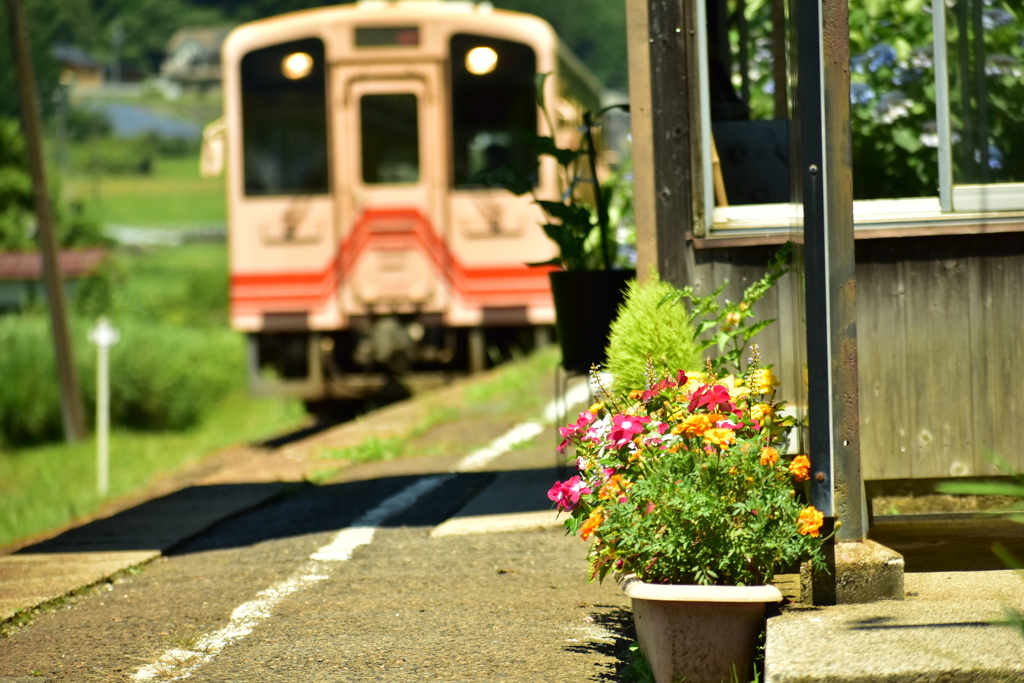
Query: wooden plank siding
x,y
940,324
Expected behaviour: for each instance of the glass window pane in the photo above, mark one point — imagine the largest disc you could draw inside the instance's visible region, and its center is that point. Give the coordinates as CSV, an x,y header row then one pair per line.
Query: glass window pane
x,y
892,101
986,64
390,138
284,119
746,56
494,110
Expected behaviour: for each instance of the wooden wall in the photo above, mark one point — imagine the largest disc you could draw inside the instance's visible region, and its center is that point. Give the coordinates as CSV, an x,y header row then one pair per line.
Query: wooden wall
x,y
940,328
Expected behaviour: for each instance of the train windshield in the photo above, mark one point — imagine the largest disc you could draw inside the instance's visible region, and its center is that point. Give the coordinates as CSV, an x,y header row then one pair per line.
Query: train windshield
x,y
284,119
494,110
390,138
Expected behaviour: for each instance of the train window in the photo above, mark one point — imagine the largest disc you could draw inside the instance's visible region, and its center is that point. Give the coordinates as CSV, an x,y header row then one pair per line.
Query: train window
x,y
494,110
284,119
390,138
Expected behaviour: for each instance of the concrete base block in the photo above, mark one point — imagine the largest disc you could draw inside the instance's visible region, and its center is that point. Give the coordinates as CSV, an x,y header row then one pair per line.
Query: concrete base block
x,y
865,571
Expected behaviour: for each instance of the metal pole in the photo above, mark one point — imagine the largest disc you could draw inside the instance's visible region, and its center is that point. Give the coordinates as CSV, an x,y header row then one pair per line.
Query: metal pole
x,y
103,421
827,188
71,398
103,335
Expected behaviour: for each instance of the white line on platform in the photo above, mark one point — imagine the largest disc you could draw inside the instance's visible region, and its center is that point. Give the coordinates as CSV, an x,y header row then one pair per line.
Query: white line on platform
x,y
176,664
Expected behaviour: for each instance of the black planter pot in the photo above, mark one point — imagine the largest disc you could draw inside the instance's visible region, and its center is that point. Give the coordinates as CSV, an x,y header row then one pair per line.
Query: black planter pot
x,y
586,303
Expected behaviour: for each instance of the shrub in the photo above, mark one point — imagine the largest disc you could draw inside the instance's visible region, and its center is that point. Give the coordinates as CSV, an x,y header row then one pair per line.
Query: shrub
x,y
161,377
645,327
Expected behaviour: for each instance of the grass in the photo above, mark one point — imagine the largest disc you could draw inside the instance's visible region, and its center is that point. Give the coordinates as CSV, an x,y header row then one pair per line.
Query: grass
x,y
174,195
509,392
48,486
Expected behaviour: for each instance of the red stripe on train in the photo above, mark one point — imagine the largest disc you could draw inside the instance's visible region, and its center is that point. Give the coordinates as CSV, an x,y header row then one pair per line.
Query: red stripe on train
x,y
395,229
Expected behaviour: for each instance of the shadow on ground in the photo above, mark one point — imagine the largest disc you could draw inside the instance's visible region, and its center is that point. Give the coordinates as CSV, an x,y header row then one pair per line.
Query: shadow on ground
x,y
618,623
233,515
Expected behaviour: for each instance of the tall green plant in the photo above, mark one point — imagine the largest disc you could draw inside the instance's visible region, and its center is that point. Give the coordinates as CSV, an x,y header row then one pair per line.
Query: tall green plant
x,y
646,330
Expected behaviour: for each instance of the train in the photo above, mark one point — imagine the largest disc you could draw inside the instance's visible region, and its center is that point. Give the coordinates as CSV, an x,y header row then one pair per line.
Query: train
x,y
368,242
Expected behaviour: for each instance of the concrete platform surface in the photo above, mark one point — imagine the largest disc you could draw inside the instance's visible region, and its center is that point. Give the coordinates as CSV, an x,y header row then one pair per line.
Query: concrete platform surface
x,y
947,629
515,501
92,553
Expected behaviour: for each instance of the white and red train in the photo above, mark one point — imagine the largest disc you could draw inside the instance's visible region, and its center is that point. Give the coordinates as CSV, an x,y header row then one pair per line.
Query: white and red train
x,y
367,240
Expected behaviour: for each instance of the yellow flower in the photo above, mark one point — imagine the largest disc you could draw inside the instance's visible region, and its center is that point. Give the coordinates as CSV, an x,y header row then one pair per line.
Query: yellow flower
x,y
800,468
769,456
593,521
732,318
596,407
762,381
810,521
694,426
723,438
760,411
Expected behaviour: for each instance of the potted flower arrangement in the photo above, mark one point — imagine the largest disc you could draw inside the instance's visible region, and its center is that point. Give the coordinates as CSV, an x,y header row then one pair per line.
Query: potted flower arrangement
x,y
685,496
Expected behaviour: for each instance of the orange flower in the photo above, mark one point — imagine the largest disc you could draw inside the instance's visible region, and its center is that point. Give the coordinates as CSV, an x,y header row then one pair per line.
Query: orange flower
x,y
769,456
723,438
615,487
800,468
636,394
593,521
694,426
810,521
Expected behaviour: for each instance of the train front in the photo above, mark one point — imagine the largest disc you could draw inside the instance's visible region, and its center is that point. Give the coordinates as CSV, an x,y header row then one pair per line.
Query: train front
x,y
368,239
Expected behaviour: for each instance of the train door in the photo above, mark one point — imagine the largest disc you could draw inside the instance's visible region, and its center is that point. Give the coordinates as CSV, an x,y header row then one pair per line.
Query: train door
x,y
390,152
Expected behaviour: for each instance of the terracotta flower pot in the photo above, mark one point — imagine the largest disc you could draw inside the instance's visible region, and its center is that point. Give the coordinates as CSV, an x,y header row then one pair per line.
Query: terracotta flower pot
x,y
698,633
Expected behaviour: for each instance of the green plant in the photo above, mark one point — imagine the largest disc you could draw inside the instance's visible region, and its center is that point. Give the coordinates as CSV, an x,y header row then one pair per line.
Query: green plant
x,y
646,330
372,449
729,322
162,377
571,221
681,482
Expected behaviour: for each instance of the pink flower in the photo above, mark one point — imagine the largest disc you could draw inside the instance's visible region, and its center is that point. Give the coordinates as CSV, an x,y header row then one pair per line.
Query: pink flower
x,y
715,398
665,383
565,494
579,429
625,427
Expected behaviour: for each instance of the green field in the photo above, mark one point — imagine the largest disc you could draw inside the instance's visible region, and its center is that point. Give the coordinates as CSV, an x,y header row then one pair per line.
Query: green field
x,y
173,195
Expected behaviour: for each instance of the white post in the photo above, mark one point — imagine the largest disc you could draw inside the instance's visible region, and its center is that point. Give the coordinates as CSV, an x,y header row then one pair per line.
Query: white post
x,y
103,336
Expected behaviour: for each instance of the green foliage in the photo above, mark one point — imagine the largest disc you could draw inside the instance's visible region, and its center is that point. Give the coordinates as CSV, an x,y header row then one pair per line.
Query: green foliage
x,y
572,220
637,669
161,377
646,330
727,325
74,226
596,32
110,155
372,449
15,189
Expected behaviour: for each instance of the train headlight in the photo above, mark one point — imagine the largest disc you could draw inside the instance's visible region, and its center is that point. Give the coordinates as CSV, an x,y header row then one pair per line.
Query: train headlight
x,y
296,65
481,60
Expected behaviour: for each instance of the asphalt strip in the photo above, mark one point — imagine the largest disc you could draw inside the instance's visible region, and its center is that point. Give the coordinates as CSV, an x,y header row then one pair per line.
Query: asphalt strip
x,y
175,664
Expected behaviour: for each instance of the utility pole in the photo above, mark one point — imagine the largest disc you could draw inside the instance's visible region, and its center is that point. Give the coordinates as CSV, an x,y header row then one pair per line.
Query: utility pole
x,y
70,396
